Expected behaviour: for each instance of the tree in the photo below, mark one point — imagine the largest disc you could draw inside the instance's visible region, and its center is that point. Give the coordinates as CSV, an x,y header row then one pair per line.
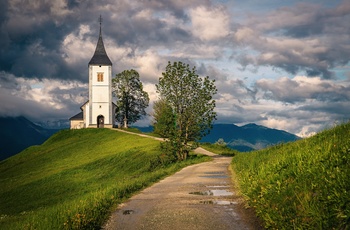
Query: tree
x,y
164,119
191,100
221,142
131,99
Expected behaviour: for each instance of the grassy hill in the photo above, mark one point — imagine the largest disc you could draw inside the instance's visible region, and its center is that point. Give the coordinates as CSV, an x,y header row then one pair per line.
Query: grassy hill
x,y
74,179
300,185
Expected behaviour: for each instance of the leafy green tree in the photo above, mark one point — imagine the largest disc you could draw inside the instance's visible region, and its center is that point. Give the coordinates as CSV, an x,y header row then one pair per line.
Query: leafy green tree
x,y
131,99
164,119
191,100
221,142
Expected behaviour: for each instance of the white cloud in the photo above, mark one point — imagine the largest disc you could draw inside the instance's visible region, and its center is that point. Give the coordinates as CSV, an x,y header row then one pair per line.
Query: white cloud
x,y
210,23
38,99
75,41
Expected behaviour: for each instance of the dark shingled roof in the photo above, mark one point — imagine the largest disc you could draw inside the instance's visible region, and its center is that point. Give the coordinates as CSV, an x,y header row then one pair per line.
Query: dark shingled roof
x,y
100,56
79,116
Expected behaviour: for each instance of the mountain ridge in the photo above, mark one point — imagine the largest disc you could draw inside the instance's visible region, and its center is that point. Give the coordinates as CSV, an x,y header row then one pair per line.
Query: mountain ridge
x,y
18,133
243,138
248,137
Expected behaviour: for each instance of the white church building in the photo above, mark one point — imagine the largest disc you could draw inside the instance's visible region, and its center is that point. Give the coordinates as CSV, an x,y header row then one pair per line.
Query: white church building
x,y
99,110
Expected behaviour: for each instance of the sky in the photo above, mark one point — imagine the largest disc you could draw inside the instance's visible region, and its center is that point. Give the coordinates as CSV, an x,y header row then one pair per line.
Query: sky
x,y
281,64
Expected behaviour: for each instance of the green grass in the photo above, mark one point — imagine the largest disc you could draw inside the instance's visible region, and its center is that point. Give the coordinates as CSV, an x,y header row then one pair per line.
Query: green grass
x,y
219,149
300,185
74,179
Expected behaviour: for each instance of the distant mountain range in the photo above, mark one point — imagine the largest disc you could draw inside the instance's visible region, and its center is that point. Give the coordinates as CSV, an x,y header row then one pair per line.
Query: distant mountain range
x,y
243,138
18,133
248,137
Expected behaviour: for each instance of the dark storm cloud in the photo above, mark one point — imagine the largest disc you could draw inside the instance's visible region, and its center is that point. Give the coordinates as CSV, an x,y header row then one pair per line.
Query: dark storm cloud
x,y
32,35
32,31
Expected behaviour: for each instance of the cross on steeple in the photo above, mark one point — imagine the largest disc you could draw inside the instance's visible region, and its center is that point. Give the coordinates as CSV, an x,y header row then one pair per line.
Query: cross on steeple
x,y
100,19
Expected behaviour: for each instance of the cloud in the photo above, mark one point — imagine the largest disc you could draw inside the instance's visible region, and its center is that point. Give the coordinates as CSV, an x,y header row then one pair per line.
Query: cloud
x,y
300,38
210,23
300,105
302,89
40,99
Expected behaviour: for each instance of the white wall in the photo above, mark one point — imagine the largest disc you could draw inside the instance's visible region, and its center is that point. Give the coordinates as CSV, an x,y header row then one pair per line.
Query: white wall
x,y
100,95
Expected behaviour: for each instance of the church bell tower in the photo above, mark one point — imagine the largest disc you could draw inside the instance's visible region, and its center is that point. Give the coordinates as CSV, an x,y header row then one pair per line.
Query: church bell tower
x,y
99,110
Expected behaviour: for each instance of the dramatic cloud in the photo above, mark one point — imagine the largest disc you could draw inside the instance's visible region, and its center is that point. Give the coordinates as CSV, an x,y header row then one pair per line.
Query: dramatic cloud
x,y
303,37
280,64
40,99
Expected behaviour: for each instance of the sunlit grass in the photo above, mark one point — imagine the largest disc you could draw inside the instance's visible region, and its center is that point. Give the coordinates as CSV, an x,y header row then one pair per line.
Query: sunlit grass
x,y
74,179
300,185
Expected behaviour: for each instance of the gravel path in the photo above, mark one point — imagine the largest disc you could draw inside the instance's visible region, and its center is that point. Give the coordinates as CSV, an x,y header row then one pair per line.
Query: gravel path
x,y
200,196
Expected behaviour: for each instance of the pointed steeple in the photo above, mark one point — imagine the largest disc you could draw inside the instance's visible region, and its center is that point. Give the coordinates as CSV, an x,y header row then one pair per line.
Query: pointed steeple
x,y
100,56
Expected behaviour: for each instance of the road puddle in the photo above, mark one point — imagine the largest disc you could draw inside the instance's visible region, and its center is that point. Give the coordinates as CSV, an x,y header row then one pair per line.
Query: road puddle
x,y
213,192
214,175
128,212
219,192
218,202
217,186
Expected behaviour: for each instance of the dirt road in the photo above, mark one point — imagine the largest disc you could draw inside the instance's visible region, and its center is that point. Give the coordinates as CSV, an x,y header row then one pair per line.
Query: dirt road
x,y
197,197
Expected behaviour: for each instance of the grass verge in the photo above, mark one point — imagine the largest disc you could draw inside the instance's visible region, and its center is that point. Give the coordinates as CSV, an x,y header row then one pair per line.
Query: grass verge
x,y
300,185
74,179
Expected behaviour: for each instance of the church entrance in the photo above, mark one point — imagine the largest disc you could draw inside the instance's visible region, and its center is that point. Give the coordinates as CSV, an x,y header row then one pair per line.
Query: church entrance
x,y
100,121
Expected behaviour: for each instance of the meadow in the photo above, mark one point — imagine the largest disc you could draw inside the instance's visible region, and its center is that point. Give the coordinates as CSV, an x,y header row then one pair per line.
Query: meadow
x,y
77,177
300,185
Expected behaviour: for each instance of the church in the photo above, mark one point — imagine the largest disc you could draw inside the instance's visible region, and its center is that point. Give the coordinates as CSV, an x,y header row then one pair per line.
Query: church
x,y
99,110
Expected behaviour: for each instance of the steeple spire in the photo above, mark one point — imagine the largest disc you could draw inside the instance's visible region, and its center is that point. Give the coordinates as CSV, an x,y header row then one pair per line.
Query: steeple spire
x,y
100,56
100,20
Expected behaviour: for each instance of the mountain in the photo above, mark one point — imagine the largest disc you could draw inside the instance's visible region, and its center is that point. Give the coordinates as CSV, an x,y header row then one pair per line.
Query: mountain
x,y
248,137
18,133
145,129
54,124
242,138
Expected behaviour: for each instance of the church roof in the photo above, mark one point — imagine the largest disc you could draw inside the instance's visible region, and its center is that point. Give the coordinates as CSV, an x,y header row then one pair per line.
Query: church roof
x,y
79,116
100,56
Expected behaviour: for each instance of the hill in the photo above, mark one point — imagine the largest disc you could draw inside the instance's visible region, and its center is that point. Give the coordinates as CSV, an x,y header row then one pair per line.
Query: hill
x,y
18,133
248,137
73,179
300,185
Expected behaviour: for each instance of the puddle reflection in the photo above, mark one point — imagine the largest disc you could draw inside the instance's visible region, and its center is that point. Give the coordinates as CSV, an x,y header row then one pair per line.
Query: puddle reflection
x,y
213,192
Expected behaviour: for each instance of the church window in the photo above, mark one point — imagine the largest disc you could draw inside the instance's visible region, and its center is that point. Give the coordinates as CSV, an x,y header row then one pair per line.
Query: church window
x,y
99,77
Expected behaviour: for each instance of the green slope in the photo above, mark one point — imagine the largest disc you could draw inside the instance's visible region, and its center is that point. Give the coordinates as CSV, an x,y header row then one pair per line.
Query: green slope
x,y
300,185
74,178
